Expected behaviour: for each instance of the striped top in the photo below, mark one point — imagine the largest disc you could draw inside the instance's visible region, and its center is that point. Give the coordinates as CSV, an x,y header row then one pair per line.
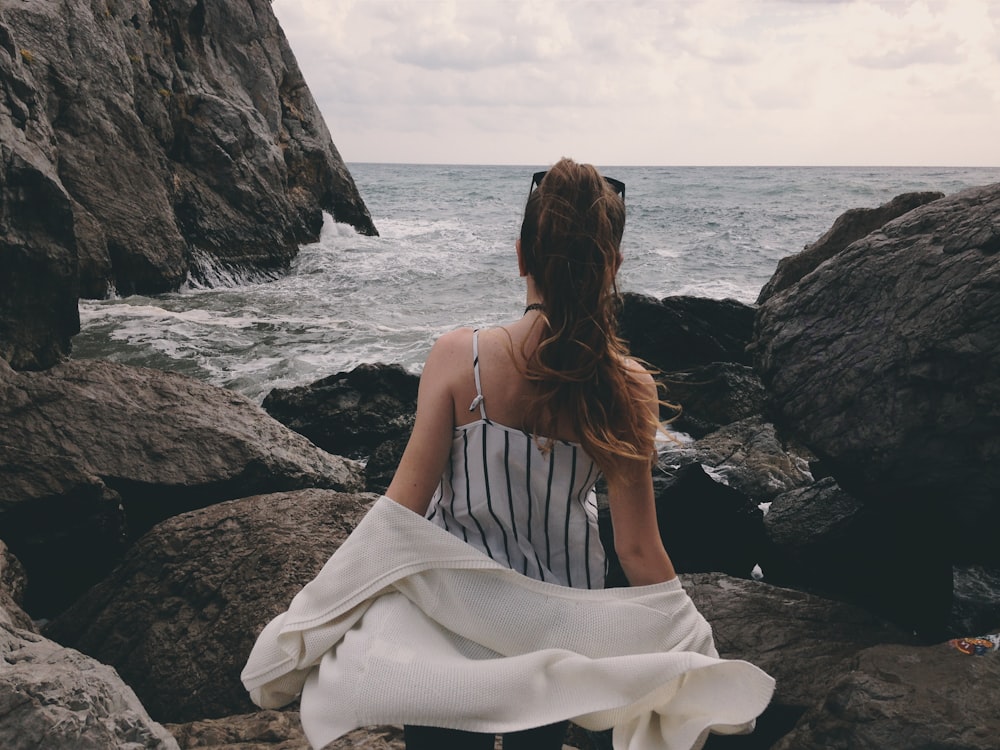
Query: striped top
x,y
533,511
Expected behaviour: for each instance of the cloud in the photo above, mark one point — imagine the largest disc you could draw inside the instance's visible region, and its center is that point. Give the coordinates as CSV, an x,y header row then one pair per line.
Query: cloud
x,y
701,81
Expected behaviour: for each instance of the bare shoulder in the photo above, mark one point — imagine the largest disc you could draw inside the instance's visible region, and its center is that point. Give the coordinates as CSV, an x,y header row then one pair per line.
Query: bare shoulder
x,y
641,377
449,351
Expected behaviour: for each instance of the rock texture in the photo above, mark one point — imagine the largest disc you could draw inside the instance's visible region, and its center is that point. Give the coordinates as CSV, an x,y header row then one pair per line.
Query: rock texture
x,y
179,616
12,585
55,697
142,139
850,226
680,333
885,361
906,699
95,453
275,730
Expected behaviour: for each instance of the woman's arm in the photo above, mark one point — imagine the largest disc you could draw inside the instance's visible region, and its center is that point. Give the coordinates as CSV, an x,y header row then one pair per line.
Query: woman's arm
x,y
633,512
427,450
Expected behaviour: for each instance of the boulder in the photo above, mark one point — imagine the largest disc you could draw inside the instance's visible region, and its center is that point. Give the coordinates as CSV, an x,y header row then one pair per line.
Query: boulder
x,y
885,362
38,252
747,455
55,697
179,616
365,413
680,333
12,585
804,641
850,226
906,698
707,526
712,396
275,730
146,139
95,453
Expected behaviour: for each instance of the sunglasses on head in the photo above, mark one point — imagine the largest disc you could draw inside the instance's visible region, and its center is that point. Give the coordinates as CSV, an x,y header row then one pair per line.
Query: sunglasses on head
x,y
617,185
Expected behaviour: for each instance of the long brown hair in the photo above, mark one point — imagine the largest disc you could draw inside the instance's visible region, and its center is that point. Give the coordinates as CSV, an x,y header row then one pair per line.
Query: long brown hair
x,y
571,247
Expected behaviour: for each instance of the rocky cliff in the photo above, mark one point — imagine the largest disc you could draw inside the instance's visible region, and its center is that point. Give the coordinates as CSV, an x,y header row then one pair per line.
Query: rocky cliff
x,y
139,138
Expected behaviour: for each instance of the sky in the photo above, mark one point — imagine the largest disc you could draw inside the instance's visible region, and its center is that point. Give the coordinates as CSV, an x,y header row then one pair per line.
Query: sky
x,y
654,82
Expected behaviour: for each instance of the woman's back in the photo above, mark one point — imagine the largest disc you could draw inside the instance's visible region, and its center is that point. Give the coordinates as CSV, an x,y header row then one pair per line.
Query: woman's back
x,y
526,501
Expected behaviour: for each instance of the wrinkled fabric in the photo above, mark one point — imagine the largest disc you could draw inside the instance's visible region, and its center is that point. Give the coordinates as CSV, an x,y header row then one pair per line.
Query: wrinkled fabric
x,y
408,624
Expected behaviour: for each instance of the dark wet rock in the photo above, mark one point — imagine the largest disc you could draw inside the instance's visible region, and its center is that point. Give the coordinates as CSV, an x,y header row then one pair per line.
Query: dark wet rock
x,y
712,397
707,526
95,453
976,604
680,333
906,698
179,616
365,413
885,361
143,140
850,226
55,697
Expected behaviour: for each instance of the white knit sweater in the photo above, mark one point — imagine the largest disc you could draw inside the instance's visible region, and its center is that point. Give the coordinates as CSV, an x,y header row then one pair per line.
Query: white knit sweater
x,y
408,624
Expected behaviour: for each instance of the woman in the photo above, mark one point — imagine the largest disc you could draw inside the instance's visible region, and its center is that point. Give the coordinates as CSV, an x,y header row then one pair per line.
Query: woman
x,y
554,402
492,618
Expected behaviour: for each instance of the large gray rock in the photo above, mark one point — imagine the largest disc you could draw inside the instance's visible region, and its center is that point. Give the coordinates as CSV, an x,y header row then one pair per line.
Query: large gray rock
x,y
56,698
805,642
95,453
850,226
906,698
179,616
144,139
885,361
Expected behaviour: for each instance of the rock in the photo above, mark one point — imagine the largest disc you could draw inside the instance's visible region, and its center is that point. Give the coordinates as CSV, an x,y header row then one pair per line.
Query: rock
x,y
38,254
885,361
350,413
55,697
12,585
95,453
707,526
908,699
713,396
179,616
681,333
144,139
365,413
805,642
975,608
850,226
275,730
746,455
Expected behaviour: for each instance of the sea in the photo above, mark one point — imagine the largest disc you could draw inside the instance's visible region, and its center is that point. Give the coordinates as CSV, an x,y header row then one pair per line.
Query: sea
x,y
445,258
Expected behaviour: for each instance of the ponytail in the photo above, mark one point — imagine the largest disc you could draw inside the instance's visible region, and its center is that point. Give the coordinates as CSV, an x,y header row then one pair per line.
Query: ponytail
x,y
570,244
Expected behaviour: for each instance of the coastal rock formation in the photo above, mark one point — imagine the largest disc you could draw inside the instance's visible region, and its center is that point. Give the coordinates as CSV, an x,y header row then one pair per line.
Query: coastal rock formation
x,y
680,333
55,697
349,413
95,453
908,699
178,617
142,137
850,226
885,361
712,396
12,586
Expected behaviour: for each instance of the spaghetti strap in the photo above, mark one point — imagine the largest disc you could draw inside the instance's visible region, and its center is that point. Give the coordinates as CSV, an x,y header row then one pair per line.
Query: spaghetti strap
x,y
478,400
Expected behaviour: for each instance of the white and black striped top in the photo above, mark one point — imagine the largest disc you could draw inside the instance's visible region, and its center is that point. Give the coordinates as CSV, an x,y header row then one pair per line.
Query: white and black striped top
x,y
533,511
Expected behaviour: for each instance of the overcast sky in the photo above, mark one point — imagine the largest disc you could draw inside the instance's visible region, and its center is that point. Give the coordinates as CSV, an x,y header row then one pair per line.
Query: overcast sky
x,y
654,82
